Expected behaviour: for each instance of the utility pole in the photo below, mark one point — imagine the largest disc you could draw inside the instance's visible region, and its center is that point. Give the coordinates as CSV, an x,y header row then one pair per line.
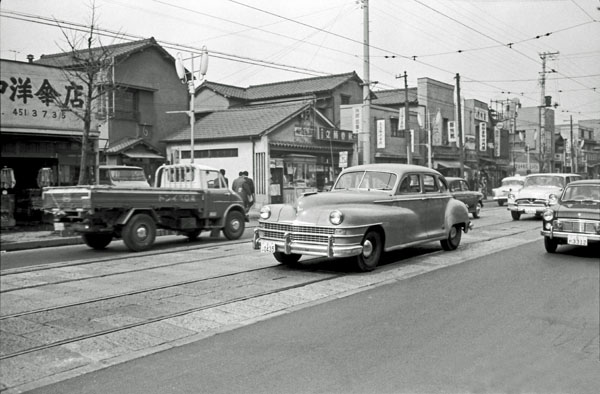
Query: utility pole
x,y
366,114
571,150
459,126
542,113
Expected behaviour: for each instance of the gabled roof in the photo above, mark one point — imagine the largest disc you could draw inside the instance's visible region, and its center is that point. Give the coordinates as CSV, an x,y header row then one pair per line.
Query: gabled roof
x,y
66,59
298,87
240,122
129,143
394,97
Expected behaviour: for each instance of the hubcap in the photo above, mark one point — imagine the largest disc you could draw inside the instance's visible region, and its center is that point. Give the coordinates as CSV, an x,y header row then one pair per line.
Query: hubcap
x,y
141,232
367,248
453,232
235,225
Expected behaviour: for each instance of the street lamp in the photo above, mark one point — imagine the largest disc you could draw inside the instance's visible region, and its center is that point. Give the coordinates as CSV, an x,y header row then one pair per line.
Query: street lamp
x,y
183,76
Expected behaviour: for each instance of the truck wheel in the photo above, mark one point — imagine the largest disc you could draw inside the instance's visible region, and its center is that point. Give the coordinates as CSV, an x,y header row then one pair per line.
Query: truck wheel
x,y
234,225
287,259
453,240
139,233
550,244
371,253
515,215
97,241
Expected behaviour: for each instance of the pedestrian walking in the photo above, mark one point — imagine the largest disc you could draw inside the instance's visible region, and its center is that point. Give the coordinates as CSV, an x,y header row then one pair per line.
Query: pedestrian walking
x,y
251,197
241,186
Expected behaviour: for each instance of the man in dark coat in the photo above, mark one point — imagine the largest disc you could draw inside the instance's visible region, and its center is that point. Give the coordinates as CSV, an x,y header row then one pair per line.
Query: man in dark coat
x,y
241,186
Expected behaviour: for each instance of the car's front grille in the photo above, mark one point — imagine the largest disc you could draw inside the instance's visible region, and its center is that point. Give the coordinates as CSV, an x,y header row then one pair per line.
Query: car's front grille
x,y
578,226
298,233
531,201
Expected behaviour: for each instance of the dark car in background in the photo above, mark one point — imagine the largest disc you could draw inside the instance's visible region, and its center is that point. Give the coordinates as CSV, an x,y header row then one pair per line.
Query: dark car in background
x,y
574,217
472,199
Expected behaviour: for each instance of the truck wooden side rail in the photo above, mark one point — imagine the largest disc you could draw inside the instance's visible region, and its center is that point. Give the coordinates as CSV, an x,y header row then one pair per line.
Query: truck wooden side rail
x,y
187,198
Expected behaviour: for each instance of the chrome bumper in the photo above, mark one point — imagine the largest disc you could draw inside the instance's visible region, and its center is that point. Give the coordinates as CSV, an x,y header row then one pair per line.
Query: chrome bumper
x,y
527,208
288,246
564,235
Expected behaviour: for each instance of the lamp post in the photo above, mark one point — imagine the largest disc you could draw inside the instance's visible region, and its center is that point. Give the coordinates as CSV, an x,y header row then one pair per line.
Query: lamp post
x,y
183,76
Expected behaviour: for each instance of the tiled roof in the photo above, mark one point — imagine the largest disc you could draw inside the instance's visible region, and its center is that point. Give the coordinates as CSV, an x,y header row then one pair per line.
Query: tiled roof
x,y
298,87
65,59
394,96
239,122
128,143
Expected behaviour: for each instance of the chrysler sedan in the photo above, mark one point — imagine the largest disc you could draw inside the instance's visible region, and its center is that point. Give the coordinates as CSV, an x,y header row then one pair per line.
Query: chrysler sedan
x,y
370,209
574,218
533,198
472,199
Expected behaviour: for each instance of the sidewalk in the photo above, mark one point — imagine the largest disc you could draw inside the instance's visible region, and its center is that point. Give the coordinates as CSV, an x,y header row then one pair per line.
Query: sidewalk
x,y
21,238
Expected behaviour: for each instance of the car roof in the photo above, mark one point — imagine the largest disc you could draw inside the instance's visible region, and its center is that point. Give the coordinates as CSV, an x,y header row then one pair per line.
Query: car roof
x,y
454,178
393,167
585,182
551,174
513,178
119,167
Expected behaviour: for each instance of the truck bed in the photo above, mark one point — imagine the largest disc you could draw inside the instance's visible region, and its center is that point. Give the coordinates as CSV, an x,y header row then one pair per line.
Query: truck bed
x,y
110,197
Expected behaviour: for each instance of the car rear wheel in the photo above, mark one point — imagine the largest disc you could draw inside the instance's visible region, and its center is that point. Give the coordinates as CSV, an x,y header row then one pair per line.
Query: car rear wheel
x,y
234,225
287,259
139,233
500,203
550,244
97,241
515,215
371,253
453,240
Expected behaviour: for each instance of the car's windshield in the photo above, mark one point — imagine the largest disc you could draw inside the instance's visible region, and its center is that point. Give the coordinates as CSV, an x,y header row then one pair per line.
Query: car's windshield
x,y
512,182
544,180
582,192
366,180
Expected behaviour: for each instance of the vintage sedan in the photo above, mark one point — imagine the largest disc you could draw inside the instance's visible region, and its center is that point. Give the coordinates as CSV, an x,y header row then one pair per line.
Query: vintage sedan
x,y
370,209
507,185
472,199
574,218
537,188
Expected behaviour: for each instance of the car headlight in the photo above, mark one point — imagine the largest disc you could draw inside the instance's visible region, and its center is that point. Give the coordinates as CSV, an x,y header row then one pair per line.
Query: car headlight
x,y
265,212
552,199
336,217
511,196
548,215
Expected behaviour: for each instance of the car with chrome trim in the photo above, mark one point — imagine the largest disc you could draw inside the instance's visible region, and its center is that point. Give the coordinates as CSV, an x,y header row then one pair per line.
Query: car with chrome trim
x,y
371,209
534,196
574,217
471,198
507,185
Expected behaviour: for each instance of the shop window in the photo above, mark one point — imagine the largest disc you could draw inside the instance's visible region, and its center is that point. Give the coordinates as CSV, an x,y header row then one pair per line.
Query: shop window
x,y
345,99
394,127
210,153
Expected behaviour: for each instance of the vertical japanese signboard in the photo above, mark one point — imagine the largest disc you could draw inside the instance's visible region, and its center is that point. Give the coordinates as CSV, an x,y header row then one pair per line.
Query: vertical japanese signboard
x,y
380,133
482,136
356,119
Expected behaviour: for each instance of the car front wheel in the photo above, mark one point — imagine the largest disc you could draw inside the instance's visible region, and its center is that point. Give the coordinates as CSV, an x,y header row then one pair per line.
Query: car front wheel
x,y
515,215
453,240
372,249
550,244
500,203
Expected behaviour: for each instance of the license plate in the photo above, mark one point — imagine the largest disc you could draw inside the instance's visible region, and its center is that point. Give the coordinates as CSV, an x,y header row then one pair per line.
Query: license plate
x,y
267,247
529,210
59,226
577,240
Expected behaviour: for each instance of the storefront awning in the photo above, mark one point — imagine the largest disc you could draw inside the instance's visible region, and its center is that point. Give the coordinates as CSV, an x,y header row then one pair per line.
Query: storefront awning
x,y
143,155
449,164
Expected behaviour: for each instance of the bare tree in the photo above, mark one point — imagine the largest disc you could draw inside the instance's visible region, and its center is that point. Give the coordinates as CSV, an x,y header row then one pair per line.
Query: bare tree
x,y
88,74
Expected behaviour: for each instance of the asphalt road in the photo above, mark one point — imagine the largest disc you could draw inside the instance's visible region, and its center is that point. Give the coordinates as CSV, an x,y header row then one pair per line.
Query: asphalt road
x,y
519,320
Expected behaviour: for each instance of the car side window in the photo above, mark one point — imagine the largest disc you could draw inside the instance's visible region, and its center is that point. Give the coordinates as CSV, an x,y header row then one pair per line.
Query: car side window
x,y
463,186
409,184
429,184
443,186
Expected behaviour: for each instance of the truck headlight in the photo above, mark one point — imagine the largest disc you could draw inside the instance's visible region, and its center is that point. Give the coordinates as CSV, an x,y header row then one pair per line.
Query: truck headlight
x,y
265,212
336,217
548,215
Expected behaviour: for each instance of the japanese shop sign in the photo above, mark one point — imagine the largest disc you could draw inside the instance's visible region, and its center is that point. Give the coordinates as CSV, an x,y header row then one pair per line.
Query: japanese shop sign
x,y
28,94
334,135
380,133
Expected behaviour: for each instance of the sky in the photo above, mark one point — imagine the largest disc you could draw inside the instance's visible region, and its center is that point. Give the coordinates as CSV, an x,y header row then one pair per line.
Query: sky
x,y
496,46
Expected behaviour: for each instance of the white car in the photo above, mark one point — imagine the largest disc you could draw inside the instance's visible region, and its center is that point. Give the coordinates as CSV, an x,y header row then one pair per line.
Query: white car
x,y
508,184
537,188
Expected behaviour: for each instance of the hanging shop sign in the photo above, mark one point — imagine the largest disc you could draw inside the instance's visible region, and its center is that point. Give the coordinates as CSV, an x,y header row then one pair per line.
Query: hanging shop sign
x,y
326,134
380,133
